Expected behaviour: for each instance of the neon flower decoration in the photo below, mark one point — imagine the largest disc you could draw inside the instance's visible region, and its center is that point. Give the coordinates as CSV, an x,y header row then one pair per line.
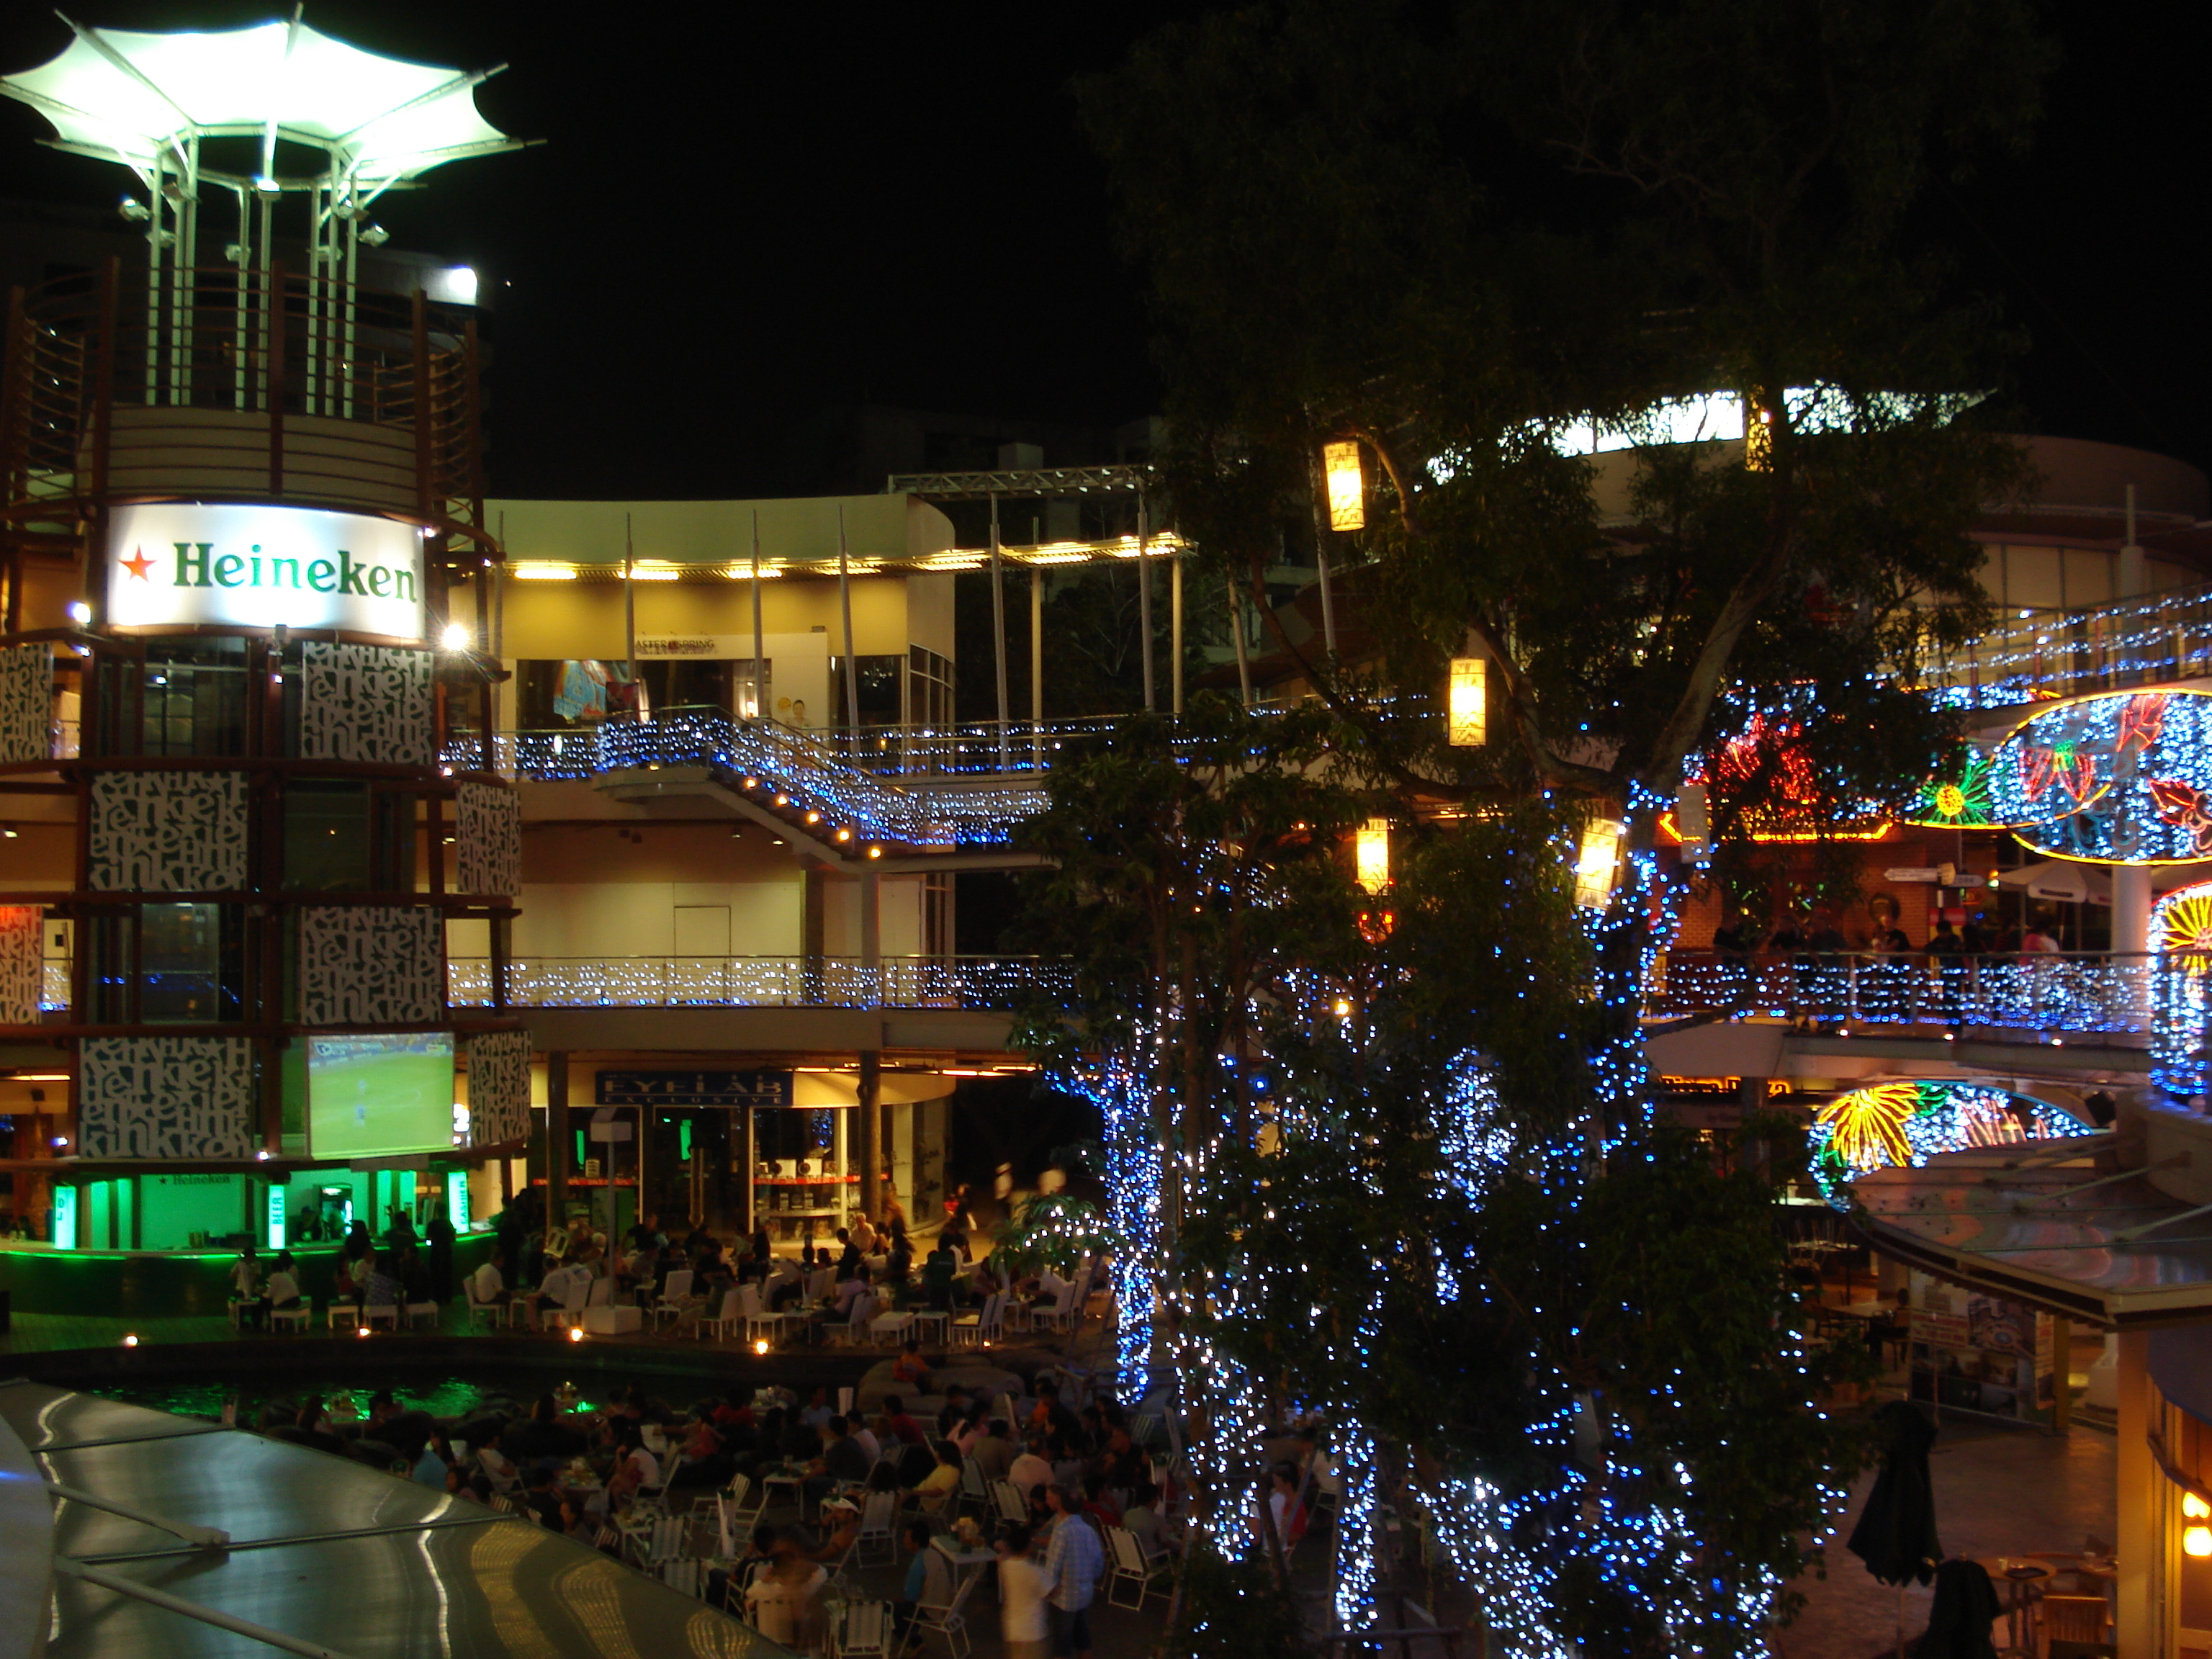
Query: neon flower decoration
x,y
1765,752
1903,1125
1960,801
2120,777
2181,935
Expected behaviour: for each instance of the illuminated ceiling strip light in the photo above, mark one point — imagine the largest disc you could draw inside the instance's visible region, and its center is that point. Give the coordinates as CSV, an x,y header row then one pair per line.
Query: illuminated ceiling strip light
x,y
530,571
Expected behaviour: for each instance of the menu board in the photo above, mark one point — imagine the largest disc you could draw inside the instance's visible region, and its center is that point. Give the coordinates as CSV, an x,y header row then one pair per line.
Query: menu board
x,y
1973,1352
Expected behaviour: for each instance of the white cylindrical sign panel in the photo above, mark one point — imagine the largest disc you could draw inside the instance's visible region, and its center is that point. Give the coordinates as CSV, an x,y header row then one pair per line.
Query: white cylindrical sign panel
x,y
178,563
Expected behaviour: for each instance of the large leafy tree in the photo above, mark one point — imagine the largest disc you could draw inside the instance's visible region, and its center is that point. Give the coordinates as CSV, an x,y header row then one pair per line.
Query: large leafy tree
x,y
1455,234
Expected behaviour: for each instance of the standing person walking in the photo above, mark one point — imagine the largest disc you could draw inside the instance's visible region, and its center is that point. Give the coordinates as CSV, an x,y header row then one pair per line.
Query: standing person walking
x,y
1073,1561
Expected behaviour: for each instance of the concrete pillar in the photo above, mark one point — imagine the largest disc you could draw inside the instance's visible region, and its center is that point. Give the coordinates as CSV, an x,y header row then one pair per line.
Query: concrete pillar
x,y
556,1141
2141,1545
871,1133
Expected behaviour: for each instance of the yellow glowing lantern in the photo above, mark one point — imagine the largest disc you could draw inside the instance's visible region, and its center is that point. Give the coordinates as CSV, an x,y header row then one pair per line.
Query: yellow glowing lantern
x,y
1594,866
1347,490
2194,1508
1470,717
1758,436
1371,854
2196,1542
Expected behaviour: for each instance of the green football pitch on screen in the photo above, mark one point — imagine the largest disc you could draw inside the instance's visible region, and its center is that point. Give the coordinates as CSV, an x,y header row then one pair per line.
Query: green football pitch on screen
x,y
370,1097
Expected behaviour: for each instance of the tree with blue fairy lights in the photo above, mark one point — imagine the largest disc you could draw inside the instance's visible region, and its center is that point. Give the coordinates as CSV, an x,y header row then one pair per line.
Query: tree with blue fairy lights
x,y
1391,1157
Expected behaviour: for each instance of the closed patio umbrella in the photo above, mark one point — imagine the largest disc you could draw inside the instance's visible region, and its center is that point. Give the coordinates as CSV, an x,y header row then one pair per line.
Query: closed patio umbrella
x,y
1896,1533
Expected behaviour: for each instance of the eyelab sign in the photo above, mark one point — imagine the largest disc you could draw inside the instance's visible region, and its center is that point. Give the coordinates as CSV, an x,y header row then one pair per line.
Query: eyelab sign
x,y
178,563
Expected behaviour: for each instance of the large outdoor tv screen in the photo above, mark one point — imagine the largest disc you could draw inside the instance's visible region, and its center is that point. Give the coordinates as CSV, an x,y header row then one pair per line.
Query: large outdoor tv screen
x,y
369,1096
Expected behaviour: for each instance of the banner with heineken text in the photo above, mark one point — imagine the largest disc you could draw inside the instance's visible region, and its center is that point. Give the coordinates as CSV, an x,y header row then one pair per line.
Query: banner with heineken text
x,y
181,563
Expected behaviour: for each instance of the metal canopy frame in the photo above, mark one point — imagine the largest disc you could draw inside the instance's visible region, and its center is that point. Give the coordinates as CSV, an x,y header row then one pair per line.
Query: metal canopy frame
x,y
165,157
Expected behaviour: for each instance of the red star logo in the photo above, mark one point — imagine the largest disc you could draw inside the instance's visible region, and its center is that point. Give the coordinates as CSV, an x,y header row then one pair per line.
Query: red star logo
x,y
137,564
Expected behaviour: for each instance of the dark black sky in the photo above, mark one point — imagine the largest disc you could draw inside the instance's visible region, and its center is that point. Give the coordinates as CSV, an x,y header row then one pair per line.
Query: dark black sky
x,y
743,213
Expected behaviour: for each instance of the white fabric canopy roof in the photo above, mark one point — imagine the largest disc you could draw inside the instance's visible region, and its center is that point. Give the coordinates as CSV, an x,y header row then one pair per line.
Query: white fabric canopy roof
x,y
2062,879
130,95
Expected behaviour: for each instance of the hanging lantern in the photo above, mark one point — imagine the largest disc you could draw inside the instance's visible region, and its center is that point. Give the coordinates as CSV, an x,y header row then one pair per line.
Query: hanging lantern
x,y
2196,1542
1758,436
1470,702
1600,857
1372,855
1347,490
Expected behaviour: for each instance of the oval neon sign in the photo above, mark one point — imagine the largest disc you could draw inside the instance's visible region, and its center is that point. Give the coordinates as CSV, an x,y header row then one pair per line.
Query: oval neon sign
x,y
2119,777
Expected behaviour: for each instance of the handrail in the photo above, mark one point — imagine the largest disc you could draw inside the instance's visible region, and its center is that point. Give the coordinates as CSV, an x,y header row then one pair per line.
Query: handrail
x,y
2084,991
2142,641
972,983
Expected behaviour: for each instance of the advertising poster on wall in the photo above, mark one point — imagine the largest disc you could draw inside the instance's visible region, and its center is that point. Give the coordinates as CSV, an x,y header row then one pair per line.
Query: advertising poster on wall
x,y
1976,1352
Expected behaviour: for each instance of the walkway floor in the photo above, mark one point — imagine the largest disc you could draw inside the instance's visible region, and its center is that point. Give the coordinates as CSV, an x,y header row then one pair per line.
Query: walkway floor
x,y
1999,1491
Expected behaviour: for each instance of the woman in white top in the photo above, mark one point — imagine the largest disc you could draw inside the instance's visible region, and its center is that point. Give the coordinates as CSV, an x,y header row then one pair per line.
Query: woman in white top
x,y
1023,1586
784,1602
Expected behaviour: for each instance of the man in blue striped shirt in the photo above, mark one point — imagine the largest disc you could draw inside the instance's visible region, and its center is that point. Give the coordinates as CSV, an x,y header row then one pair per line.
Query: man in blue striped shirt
x,y
1073,1562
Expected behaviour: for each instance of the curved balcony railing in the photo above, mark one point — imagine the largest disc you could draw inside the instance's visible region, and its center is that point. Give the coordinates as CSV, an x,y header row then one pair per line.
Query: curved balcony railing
x,y
978,983
2104,993
2146,640
812,773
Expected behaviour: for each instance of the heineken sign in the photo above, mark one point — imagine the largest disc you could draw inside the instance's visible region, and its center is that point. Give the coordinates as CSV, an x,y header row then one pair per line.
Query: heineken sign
x,y
180,564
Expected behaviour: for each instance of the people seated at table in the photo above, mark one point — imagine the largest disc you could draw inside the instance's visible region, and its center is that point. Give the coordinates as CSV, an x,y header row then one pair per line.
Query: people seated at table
x,y
1098,1503
898,1263
928,1575
283,1290
707,1464
908,1431
487,1284
817,1410
540,1496
544,1433
996,1452
842,1462
871,1442
563,1285
1030,1468
1142,1518
850,1256
381,1288
250,1305
939,1275
910,1370
635,1468
783,1603
940,1487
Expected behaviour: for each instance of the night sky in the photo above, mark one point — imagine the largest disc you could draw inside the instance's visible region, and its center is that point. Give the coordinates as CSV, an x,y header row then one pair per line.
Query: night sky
x,y
745,216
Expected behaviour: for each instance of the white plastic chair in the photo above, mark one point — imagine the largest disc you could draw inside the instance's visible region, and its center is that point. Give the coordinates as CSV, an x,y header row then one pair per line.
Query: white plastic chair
x,y
1006,1498
878,1523
853,1330
505,1477
757,1316
725,1319
972,1488
497,1313
676,1298
867,1632
575,1297
1131,1566
303,1315
946,1620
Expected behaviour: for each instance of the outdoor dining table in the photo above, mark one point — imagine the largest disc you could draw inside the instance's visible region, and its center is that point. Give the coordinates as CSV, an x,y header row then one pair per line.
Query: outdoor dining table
x,y
965,1561
932,1319
2014,1575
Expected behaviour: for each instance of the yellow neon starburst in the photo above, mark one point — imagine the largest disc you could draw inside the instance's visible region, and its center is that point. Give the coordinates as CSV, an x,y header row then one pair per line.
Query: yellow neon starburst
x,y
1866,1126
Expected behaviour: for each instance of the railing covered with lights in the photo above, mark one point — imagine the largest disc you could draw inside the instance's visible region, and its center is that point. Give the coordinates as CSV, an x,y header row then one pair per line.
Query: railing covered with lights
x,y
979,983
2033,655
812,776
2050,994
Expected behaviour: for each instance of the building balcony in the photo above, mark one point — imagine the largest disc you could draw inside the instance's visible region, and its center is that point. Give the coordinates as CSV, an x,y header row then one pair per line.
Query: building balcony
x,y
993,984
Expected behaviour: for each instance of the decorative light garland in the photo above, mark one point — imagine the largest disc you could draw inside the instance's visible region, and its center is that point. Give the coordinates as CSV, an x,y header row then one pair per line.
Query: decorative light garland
x,y
1903,1125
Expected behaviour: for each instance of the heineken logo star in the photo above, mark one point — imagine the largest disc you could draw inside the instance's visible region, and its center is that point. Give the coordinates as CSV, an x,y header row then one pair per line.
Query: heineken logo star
x,y
137,564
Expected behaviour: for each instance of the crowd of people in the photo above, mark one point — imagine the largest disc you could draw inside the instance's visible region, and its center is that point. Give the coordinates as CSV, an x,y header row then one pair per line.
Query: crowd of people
x,y
576,1470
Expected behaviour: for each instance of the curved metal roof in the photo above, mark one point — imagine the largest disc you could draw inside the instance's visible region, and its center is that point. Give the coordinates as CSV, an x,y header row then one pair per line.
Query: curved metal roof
x,y
132,96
